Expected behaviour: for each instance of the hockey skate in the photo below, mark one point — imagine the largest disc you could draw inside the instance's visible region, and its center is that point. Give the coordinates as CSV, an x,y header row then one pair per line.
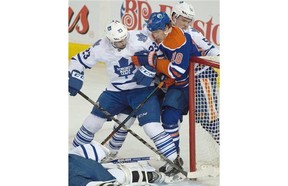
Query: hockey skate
x,y
156,177
161,178
170,170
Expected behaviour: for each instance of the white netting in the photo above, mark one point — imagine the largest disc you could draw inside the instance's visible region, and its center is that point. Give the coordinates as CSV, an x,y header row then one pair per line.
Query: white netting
x,y
207,97
207,84
207,153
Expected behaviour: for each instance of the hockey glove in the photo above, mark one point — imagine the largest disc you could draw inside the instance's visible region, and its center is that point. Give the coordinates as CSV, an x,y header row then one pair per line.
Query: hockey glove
x,y
145,75
75,82
145,58
168,82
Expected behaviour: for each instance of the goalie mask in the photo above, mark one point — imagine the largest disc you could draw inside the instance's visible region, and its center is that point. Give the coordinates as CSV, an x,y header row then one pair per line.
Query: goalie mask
x,y
117,34
183,9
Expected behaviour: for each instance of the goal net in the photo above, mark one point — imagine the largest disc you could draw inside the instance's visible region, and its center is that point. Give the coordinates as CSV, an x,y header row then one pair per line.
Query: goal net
x,y
204,126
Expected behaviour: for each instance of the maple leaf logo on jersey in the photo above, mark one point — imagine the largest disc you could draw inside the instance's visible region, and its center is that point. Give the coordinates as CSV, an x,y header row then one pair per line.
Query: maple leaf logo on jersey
x,y
124,69
141,37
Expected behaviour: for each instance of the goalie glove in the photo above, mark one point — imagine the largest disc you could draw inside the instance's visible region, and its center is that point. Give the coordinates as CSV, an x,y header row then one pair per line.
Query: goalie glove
x,y
145,75
75,82
145,58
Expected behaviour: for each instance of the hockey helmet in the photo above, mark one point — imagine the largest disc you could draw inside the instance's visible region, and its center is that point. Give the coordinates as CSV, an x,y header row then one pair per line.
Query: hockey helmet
x,y
158,21
183,9
116,31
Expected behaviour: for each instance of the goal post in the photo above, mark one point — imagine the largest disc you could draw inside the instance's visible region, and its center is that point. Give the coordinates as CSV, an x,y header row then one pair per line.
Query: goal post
x,y
204,129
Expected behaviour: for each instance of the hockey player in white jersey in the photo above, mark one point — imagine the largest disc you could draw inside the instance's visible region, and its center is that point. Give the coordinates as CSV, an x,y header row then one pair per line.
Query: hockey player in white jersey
x,y
86,169
128,86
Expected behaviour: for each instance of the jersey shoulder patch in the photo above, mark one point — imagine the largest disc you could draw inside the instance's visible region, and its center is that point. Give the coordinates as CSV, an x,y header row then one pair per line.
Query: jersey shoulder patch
x,y
138,36
175,39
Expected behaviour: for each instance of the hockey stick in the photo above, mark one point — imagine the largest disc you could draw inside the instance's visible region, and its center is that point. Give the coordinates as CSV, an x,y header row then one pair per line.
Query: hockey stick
x,y
133,133
156,151
108,115
134,159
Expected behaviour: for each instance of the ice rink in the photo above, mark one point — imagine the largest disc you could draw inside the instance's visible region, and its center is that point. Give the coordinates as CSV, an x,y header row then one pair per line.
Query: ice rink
x,y
95,81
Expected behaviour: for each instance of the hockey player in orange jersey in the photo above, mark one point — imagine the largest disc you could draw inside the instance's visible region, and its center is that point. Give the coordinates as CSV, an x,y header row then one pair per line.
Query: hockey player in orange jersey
x,y
177,48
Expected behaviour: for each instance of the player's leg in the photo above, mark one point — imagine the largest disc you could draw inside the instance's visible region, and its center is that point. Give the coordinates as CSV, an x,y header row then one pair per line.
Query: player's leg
x,y
139,173
171,119
83,170
90,126
85,167
117,140
149,118
174,106
111,102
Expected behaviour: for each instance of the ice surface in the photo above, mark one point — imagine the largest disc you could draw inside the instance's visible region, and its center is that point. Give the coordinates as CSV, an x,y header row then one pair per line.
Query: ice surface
x,y
95,81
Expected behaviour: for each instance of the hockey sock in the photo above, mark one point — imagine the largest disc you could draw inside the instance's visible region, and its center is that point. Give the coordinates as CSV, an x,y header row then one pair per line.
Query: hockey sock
x,y
173,131
163,141
170,119
117,139
91,125
83,136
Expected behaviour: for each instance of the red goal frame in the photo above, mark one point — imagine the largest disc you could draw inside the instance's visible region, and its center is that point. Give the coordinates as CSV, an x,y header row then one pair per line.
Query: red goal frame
x,y
192,135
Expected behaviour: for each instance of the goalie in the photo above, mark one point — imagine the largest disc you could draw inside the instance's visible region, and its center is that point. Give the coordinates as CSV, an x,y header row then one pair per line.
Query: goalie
x,y
85,169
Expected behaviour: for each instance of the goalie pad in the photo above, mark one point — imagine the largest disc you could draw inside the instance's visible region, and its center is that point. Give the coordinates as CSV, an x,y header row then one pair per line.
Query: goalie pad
x,y
131,173
94,151
140,173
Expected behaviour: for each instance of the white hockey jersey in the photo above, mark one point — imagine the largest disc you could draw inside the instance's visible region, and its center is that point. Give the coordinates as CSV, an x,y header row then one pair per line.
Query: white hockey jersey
x,y
204,46
119,66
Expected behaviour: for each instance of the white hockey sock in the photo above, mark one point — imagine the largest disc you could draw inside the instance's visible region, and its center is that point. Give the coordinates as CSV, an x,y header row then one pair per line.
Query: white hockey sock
x,y
91,125
119,137
117,140
163,141
83,136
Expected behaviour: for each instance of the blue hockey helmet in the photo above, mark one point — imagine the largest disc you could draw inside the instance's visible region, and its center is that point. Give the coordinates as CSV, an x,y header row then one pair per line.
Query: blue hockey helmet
x,y
158,21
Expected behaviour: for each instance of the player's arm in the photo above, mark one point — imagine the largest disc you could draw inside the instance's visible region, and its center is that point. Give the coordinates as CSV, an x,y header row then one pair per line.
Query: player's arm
x,y
87,58
170,69
81,61
76,71
203,44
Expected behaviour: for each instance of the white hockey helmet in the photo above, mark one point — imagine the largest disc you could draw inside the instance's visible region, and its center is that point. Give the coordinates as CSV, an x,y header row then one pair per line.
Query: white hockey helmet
x,y
183,9
116,31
